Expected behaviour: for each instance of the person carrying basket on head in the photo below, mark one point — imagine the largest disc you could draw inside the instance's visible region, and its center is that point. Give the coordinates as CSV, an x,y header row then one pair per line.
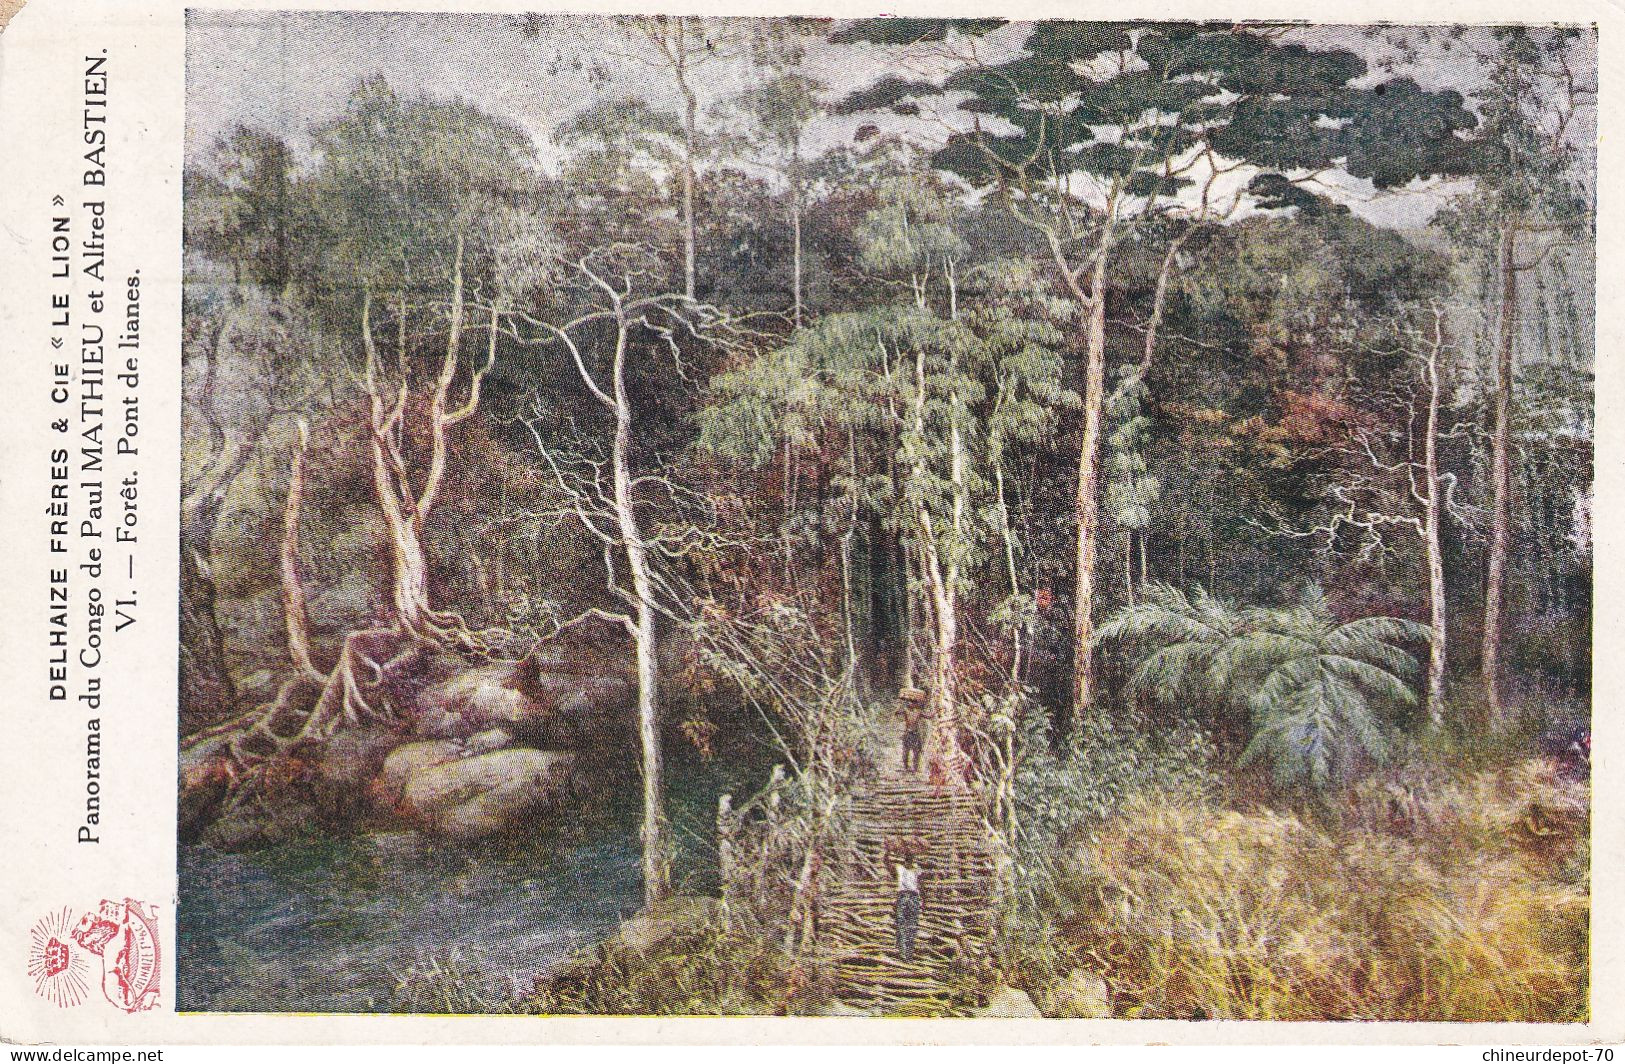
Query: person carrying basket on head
x,y
911,707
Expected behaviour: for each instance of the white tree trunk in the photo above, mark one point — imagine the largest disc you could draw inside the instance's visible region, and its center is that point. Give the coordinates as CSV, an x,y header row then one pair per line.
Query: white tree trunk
x,y
656,863
294,611
795,276
1438,635
690,178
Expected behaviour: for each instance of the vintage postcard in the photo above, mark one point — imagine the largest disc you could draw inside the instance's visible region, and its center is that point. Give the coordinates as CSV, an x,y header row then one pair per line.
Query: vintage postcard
x,y
526,521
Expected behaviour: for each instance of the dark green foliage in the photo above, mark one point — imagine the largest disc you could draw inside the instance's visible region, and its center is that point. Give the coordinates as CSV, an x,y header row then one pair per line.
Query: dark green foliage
x,y
245,208
1065,791
1313,687
1275,192
911,30
1248,95
399,179
887,92
1400,132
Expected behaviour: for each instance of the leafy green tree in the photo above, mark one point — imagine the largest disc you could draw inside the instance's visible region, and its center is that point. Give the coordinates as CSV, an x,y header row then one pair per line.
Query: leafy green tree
x,y
682,47
899,374
1524,160
243,207
769,122
403,196
937,384
1112,121
614,180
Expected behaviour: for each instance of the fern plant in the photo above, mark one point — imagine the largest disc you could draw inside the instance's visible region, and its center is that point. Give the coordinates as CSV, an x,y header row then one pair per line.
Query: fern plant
x,y
1314,688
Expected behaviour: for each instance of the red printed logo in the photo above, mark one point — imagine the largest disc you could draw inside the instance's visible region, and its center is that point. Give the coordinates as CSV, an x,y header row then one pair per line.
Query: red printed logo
x,y
121,935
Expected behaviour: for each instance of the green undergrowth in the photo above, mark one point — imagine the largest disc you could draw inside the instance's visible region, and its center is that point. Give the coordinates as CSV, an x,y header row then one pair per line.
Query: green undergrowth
x,y
704,972
1431,890
1435,896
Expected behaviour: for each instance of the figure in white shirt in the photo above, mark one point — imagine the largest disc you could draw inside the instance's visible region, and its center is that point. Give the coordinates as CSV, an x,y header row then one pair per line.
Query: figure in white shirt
x,y
908,906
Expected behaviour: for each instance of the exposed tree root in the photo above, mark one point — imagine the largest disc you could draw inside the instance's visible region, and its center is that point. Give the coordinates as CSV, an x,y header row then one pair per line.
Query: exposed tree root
x,y
356,693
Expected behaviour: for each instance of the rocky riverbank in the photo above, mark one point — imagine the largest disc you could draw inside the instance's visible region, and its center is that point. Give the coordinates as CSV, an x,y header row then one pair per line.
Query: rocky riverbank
x,y
466,752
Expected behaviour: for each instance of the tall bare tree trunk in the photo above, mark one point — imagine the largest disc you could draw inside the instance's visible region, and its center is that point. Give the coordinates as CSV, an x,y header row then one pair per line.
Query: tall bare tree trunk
x,y
1088,497
656,862
207,691
408,565
1159,303
1500,479
690,147
1159,299
1438,634
1128,564
405,509
848,604
439,418
295,613
795,229
908,610
945,760
1008,535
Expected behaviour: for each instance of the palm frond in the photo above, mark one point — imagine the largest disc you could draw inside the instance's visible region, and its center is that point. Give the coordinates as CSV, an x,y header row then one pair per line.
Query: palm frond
x,y
1397,660
1246,659
1173,671
1371,679
1313,688
1379,629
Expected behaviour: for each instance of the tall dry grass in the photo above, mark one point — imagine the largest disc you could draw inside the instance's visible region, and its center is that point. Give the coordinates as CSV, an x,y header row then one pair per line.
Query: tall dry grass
x,y
1454,899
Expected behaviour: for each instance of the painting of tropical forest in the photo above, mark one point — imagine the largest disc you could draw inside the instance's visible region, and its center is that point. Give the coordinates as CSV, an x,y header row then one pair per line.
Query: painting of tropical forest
x,y
904,516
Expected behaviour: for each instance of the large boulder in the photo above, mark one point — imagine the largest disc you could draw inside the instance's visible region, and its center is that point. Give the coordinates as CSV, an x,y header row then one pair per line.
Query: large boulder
x,y
352,757
546,703
680,914
410,759
474,700
488,793
1083,995
486,741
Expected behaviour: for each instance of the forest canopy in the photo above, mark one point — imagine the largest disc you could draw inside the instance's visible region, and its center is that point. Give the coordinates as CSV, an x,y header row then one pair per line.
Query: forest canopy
x,y
1102,381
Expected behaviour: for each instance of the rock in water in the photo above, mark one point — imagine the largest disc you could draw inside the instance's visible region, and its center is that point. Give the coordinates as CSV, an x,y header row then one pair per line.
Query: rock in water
x,y
488,793
548,704
1083,995
407,761
486,741
677,915
351,758
1008,1003
475,700
256,826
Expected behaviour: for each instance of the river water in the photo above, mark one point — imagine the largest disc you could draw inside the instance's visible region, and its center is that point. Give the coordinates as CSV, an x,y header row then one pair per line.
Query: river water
x,y
383,922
